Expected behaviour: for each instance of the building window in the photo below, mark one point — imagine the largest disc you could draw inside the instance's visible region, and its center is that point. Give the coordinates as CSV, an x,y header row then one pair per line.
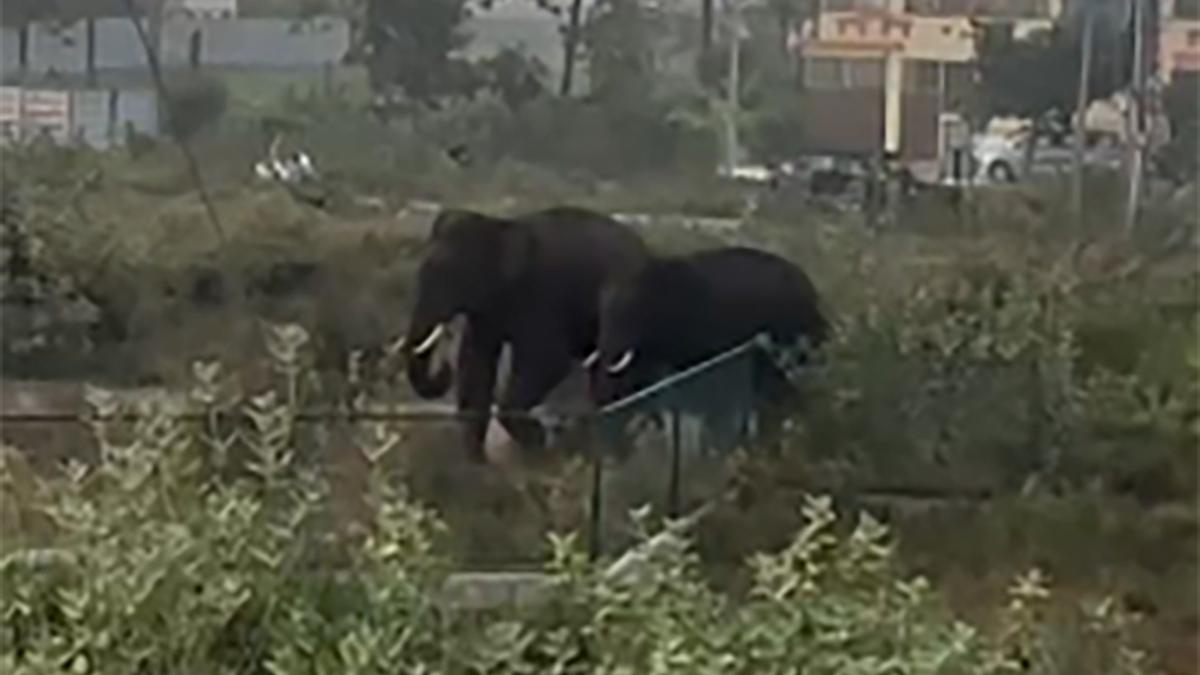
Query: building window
x,y
864,73
823,73
960,80
922,77
951,82
839,73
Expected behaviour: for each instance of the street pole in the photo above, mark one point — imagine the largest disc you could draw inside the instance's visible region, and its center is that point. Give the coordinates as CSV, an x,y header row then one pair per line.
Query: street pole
x,y
570,48
706,33
735,48
1081,105
1135,126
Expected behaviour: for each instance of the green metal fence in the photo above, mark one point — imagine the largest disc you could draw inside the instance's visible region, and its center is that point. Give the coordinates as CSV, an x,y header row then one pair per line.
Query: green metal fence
x,y
703,412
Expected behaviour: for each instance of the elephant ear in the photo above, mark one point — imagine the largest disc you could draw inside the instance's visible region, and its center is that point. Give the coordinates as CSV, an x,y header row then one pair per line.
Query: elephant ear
x,y
517,250
448,219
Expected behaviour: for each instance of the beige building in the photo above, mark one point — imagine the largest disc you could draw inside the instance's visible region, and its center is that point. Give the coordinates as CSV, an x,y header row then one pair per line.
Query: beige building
x,y
1179,39
883,73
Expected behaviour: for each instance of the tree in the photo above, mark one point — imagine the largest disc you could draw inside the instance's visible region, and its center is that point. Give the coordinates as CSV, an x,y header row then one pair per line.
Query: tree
x,y
514,76
409,47
570,16
706,33
619,39
790,14
1038,77
1039,74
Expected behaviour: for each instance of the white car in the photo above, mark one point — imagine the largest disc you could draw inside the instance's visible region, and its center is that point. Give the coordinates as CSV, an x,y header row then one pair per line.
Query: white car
x,y
1001,159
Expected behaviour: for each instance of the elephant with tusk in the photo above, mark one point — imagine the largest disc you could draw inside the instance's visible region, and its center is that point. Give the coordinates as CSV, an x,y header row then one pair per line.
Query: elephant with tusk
x,y
532,282
676,312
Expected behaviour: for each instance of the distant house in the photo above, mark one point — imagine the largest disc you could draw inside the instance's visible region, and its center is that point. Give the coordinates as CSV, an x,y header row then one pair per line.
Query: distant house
x,y
1179,41
881,73
99,64
208,9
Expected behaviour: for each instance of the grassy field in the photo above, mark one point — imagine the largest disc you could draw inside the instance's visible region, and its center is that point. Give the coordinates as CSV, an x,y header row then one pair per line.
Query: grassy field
x,y
995,348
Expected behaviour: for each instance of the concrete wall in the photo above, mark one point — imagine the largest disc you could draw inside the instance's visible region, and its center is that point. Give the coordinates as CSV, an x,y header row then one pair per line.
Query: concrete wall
x,y
118,46
91,118
9,50
248,43
58,50
97,117
263,43
101,117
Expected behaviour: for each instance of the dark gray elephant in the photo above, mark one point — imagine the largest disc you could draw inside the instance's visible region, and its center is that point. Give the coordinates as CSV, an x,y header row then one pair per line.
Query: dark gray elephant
x,y
532,282
676,312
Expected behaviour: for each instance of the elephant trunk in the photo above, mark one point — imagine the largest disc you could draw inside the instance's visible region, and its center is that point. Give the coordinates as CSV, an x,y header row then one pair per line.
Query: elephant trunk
x,y
419,348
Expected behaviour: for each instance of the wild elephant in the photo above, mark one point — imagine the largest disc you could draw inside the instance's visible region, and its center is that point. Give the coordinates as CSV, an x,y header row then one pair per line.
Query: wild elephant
x,y
676,312
532,282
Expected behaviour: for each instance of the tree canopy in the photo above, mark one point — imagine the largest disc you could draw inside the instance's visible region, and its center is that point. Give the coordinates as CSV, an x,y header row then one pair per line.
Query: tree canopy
x,y
1039,74
410,45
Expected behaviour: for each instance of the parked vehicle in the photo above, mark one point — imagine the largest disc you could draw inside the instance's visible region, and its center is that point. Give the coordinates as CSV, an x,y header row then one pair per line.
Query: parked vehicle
x,y
1002,158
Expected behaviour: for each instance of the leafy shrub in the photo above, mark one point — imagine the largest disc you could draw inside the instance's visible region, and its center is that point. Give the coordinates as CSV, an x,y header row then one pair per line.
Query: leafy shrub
x,y
217,546
154,566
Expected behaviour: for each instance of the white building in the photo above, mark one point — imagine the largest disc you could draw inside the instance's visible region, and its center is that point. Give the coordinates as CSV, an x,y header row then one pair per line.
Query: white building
x,y
209,9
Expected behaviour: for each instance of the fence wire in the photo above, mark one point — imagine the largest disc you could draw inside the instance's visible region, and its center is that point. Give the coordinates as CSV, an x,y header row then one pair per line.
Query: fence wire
x,y
702,413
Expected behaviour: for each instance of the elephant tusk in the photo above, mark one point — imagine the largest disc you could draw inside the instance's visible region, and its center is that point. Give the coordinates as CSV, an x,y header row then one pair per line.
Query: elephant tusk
x,y
622,364
431,341
397,346
590,361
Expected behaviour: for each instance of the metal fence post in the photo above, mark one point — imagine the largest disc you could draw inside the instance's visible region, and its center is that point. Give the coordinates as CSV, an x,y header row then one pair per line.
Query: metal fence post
x,y
595,536
676,460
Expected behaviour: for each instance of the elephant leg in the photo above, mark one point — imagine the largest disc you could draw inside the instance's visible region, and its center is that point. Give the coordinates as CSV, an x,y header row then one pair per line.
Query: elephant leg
x,y
537,368
776,402
771,416
478,356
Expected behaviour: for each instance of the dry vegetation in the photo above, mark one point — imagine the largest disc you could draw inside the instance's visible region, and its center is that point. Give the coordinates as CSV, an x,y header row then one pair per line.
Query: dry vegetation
x,y
994,350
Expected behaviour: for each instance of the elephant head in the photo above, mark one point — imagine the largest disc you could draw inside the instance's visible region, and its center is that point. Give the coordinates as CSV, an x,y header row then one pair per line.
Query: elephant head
x,y
640,321
472,264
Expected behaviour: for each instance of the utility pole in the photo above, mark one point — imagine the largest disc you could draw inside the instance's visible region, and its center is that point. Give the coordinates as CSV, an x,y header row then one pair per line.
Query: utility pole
x,y
736,33
1085,74
571,47
706,32
1135,121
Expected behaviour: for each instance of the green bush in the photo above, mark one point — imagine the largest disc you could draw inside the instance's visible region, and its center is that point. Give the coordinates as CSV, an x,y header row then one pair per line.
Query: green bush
x,y
168,558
